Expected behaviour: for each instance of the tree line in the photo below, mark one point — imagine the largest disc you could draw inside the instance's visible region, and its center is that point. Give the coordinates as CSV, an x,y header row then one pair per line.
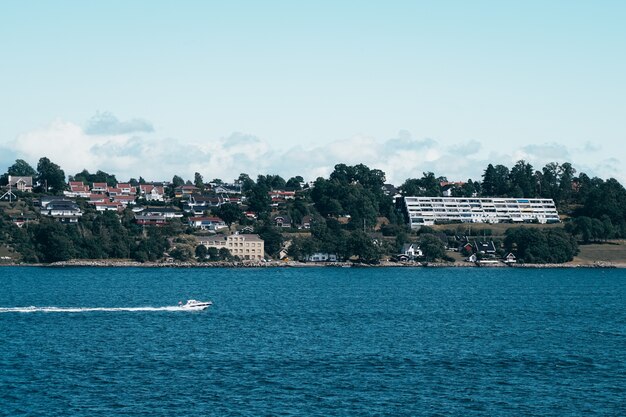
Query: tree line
x,y
346,209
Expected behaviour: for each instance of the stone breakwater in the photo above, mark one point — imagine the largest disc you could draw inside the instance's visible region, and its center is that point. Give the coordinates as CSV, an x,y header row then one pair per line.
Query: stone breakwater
x,y
294,264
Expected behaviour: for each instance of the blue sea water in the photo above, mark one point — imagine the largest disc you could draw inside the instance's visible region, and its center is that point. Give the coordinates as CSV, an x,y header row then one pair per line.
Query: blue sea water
x,y
318,341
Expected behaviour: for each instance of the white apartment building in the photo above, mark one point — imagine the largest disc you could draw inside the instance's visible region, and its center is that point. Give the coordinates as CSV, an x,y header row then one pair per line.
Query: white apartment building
x,y
245,246
428,210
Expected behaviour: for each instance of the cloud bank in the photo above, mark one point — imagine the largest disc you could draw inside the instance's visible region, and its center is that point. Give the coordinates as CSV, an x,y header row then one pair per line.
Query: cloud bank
x,y
131,149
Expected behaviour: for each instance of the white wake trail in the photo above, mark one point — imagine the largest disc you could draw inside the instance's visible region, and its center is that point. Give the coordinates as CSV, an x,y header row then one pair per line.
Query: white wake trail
x,y
33,309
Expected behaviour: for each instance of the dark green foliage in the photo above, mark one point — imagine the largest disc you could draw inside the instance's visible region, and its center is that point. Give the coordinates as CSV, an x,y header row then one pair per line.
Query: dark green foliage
x,y
540,245
201,252
52,241
427,186
352,190
301,247
50,175
592,230
273,239
100,176
224,254
20,168
228,212
181,253
432,247
213,254
294,183
362,246
198,181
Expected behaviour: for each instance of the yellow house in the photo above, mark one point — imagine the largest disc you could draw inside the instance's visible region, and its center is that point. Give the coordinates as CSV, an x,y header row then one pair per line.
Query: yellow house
x,y
245,246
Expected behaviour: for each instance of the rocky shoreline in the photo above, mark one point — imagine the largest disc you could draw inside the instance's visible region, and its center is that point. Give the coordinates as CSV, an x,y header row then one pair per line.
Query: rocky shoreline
x,y
293,264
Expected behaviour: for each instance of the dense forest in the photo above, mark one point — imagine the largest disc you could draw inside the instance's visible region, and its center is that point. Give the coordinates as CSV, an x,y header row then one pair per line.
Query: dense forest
x,y
352,214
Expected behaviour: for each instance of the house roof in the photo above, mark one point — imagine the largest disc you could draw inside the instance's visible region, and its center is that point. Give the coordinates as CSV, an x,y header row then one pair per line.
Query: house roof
x,y
206,219
161,210
485,246
13,180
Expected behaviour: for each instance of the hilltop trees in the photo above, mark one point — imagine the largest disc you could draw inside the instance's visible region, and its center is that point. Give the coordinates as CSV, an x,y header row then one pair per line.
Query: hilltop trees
x,y
541,246
20,168
100,176
50,176
355,191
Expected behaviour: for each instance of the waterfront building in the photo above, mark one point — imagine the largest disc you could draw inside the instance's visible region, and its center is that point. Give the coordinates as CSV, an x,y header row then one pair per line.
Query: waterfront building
x,y
431,210
245,246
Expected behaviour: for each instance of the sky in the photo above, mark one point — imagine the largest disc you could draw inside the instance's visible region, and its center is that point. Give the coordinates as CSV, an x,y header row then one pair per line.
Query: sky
x,y
157,88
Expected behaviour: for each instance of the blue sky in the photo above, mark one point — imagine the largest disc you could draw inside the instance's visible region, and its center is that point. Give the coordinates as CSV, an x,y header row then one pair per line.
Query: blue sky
x,y
158,88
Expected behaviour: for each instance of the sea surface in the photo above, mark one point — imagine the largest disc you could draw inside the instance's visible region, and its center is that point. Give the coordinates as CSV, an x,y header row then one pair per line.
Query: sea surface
x,y
313,342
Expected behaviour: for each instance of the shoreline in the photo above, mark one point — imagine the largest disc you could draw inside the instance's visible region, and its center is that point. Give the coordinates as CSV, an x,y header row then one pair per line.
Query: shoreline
x,y
294,264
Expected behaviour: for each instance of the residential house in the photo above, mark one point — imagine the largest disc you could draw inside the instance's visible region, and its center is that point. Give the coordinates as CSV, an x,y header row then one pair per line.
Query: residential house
x,y
485,248
282,195
247,229
47,199
152,192
66,211
207,223
185,191
199,203
99,187
167,212
108,206
410,251
24,184
279,197
125,200
306,222
97,198
244,246
126,189
321,257
153,220
114,192
282,221
226,188
390,190
77,189
509,259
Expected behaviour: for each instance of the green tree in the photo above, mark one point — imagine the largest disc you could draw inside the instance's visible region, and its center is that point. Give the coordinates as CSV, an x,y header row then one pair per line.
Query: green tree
x,y
228,212
489,185
50,176
540,246
224,254
201,252
213,254
273,240
177,181
361,245
198,181
52,241
294,183
432,247
523,180
20,168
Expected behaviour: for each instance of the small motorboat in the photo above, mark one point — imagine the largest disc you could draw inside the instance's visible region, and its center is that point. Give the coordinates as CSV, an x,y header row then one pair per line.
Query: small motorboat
x,y
195,305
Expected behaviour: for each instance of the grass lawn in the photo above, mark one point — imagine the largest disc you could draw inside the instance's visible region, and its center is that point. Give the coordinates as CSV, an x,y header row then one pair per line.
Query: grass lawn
x,y
613,251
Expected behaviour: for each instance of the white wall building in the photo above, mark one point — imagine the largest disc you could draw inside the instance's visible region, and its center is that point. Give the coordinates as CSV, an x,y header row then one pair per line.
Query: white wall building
x,y
428,210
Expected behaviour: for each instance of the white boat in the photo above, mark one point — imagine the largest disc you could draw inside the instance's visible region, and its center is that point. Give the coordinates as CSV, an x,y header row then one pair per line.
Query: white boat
x,y
196,305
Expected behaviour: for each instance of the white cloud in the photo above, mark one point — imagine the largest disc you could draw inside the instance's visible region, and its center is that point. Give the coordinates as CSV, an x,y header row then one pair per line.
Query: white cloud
x,y
107,124
134,154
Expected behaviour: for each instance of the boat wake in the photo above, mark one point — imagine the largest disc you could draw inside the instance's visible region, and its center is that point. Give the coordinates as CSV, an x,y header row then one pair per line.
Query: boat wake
x,y
33,309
